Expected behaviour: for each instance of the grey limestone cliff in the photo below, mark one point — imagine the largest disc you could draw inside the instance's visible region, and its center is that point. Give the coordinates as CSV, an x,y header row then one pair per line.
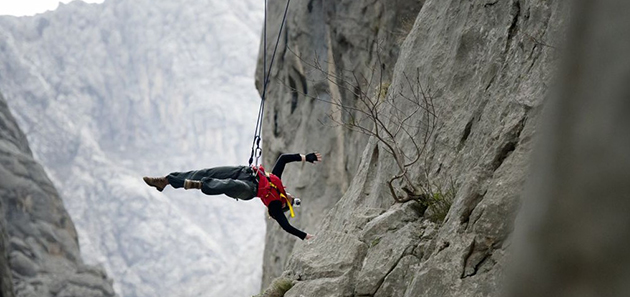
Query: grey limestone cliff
x,y
322,40
487,65
38,237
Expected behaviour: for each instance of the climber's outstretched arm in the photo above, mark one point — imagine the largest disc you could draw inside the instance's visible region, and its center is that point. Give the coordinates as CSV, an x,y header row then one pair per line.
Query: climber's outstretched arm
x,y
288,158
275,211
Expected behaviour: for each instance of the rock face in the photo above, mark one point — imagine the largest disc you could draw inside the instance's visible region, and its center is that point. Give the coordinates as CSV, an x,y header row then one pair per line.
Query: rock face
x,y
38,239
575,221
6,281
322,40
486,66
109,93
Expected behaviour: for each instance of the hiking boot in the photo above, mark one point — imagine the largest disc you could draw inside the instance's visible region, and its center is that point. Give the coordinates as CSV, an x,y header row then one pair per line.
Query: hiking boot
x,y
158,182
192,184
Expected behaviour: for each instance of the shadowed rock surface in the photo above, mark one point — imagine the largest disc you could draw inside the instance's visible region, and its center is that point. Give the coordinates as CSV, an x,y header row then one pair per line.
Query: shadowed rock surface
x,y
487,66
575,224
6,281
38,237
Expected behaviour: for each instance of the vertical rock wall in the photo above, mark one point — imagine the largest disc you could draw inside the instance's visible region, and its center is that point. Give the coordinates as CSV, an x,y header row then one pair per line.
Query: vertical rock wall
x,y
324,45
38,235
487,65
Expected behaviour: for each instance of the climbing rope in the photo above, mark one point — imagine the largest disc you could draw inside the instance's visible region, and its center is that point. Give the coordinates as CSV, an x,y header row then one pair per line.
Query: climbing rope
x,y
256,150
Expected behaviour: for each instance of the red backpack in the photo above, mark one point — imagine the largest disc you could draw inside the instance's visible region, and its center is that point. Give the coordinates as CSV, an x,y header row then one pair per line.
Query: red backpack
x,y
270,188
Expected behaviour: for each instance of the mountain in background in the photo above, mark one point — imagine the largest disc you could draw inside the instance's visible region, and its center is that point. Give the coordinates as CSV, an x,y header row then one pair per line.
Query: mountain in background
x,y
108,93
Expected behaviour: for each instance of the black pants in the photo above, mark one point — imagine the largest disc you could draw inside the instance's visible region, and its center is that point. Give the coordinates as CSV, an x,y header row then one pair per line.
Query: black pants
x,y
234,181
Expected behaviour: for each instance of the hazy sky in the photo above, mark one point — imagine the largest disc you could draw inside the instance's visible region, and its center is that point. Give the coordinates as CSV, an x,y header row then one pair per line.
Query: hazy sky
x,y
31,7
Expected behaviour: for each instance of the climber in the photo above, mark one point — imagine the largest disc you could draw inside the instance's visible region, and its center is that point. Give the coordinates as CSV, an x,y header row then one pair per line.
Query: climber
x,y
243,182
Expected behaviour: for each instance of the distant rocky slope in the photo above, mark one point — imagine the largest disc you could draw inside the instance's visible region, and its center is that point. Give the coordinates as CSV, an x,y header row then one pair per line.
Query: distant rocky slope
x,y
107,93
39,249
486,64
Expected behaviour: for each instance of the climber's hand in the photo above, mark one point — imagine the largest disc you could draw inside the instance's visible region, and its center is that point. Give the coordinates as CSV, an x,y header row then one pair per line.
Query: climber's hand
x,y
314,157
308,236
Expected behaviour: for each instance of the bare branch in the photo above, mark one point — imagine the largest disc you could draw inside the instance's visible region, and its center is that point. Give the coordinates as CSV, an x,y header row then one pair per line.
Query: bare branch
x,y
382,112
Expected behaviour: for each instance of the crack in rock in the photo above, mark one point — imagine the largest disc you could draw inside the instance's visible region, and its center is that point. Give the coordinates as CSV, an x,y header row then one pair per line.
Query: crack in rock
x,y
516,12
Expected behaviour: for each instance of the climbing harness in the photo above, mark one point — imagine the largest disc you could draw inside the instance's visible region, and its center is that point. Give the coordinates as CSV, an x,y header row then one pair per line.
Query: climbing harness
x,y
256,152
282,195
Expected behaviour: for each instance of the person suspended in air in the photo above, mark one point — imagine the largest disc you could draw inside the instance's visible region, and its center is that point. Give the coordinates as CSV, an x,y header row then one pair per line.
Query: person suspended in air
x,y
244,182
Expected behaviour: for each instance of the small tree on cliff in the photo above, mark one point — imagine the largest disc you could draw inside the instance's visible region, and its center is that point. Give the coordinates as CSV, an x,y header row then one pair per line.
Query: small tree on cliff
x,y
377,112
380,115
